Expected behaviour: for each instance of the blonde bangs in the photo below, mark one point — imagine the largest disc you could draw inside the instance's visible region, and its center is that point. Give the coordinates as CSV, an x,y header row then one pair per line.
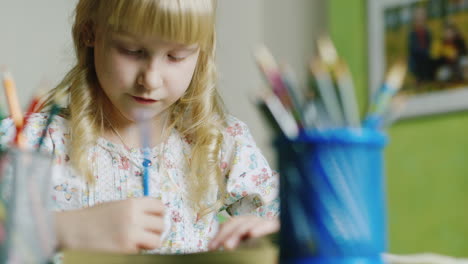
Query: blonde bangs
x,y
181,21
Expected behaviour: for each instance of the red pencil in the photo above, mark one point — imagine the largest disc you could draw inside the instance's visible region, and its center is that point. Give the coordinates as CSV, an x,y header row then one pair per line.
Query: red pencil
x,y
36,101
33,106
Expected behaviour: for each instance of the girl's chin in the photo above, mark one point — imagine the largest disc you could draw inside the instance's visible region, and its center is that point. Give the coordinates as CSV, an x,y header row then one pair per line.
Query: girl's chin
x,y
142,114
139,115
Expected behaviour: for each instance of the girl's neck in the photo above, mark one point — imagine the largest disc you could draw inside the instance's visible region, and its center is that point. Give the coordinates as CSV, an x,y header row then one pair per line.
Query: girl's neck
x,y
125,132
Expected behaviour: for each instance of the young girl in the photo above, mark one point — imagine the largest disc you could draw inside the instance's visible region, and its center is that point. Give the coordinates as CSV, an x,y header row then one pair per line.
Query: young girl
x,y
156,57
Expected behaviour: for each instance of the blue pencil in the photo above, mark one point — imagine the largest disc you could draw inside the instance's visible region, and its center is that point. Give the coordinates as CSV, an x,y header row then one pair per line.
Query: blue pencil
x,y
145,180
145,142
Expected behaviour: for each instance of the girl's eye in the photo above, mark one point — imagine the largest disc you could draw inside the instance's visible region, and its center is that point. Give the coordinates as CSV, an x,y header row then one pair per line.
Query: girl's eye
x,y
174,58
135,52
132,52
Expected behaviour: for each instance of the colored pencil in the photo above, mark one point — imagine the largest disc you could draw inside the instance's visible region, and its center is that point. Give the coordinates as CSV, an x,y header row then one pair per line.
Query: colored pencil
x,y
14,107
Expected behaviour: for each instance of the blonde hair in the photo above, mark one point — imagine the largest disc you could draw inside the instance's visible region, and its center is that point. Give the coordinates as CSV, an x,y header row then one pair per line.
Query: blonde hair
x,y
197,115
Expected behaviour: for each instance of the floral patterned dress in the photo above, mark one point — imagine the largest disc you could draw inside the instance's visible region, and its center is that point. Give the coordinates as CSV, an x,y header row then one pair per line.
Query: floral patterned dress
x,y
252,187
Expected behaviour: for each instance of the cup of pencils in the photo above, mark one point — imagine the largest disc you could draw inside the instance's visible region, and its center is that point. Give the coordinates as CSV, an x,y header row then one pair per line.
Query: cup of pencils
x,y
332,185
26,221
27,233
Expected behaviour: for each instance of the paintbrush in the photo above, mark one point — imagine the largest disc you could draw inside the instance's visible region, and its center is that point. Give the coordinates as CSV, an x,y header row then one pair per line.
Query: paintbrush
x,y
347,95
272,74
327,51
342,77
260,104
382,98
294,92
281,115
327,92
397,106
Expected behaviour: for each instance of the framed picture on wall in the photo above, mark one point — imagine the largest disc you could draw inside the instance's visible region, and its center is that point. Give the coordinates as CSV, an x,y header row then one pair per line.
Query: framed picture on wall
x,y
431,36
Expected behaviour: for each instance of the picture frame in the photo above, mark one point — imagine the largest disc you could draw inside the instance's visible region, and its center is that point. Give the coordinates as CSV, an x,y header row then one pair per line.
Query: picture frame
x,y
440,85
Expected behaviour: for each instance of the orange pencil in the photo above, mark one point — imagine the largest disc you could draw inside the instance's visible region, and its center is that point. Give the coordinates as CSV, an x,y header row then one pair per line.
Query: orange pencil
x,y
14,107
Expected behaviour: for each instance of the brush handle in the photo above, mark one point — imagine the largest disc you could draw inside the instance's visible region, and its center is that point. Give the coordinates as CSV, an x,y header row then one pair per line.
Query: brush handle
x,y
348,99
329,98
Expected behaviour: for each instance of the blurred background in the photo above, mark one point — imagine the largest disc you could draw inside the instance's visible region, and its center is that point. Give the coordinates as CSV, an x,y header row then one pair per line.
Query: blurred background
x,y
426,160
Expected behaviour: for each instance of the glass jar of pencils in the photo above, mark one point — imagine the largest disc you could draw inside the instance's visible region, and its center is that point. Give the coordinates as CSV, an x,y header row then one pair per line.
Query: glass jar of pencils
x,y
26,221
332,196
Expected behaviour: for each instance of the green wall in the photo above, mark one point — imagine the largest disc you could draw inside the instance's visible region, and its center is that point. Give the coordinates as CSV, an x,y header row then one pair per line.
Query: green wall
x,y
427,161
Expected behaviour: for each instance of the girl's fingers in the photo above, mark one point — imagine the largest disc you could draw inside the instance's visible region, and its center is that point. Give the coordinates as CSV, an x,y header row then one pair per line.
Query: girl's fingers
x,y
152,206
153,223
232,240
225,230
148,240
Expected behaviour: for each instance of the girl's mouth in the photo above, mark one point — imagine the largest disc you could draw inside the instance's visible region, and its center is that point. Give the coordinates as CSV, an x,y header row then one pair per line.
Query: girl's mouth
x,y
142,100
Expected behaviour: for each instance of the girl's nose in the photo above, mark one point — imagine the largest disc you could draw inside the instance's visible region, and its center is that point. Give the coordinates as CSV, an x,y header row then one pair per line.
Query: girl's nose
x,y
150,78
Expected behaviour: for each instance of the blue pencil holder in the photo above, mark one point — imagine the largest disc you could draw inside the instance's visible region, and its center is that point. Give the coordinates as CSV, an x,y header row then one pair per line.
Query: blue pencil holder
x,y
27,233
332,197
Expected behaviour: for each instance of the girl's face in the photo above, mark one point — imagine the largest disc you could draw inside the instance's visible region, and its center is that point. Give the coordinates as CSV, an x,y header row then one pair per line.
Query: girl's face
x,y
142,74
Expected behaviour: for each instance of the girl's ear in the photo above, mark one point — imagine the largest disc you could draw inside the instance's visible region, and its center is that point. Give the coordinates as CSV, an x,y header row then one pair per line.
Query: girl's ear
x,y
88,35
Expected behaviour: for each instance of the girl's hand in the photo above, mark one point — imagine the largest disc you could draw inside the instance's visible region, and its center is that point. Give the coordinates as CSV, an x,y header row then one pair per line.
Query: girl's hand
x,y
240,228
123,226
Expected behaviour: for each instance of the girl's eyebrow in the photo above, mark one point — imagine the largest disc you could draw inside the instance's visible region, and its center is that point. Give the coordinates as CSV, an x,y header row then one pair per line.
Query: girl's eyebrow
x,y
124,34
187,47
190,48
